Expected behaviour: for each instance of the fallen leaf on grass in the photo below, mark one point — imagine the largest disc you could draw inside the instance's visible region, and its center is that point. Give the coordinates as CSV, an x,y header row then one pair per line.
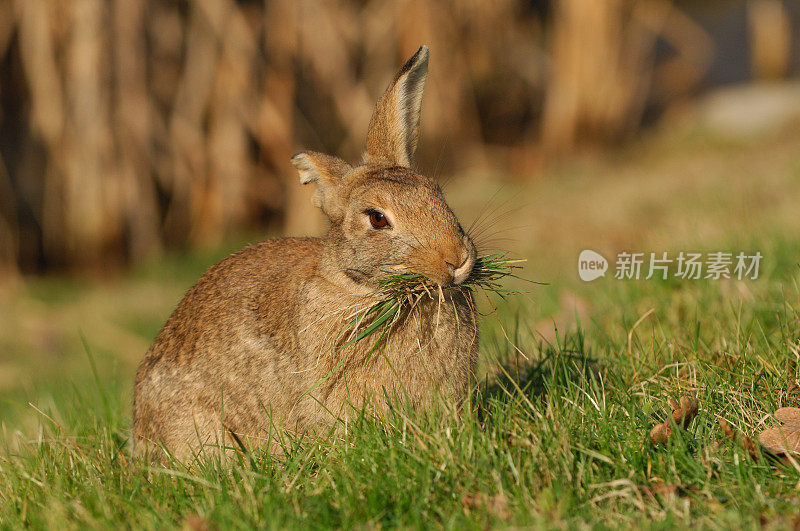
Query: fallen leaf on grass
x,y
665,491
753,448
195,522
778,521
658,491
496,505
784,439
682,414
744,441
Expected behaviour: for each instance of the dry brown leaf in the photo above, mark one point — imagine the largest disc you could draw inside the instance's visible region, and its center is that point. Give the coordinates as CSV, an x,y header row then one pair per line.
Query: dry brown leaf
x,y
496,504
195,522
746,442
784,439
780,522
753,448
682,414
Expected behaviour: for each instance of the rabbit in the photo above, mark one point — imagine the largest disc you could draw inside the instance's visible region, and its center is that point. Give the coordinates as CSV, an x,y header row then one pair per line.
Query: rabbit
x,y
251,349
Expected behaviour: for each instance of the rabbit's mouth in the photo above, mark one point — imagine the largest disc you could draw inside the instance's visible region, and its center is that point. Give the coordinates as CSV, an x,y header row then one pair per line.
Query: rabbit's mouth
x,y
461,272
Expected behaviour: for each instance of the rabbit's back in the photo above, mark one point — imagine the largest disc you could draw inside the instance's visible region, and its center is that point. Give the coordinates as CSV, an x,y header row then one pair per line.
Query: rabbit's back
x,y
223,355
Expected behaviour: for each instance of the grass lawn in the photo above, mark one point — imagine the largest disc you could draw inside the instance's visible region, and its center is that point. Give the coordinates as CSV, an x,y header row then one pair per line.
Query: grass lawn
x,y
558,439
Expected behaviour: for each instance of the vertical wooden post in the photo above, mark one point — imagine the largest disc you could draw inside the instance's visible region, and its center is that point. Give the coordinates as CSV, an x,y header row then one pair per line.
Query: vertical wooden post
x,y
276,119
770,39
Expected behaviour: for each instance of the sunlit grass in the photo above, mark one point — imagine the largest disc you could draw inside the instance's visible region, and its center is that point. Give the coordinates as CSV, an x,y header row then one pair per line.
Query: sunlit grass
x,y
559,439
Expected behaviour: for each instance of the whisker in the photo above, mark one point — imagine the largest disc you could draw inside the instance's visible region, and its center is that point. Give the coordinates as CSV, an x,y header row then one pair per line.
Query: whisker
x,y
493,217
484,208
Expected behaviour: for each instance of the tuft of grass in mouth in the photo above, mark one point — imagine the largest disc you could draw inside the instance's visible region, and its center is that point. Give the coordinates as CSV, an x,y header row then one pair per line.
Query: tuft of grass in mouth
x,y
400,292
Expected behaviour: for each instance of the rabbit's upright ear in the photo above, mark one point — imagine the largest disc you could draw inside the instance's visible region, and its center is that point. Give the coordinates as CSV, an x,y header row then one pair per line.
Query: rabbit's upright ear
x,y
394,127
327,172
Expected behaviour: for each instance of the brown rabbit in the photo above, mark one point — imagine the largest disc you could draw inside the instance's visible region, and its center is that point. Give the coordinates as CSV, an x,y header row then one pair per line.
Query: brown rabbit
x,y
253,345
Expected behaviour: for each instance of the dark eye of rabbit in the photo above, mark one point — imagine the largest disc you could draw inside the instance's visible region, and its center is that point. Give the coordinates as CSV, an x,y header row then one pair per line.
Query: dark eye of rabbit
x,y
377,219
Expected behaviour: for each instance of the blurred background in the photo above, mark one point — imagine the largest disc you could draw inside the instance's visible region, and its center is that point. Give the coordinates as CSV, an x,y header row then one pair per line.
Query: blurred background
x,y
142,140
128,127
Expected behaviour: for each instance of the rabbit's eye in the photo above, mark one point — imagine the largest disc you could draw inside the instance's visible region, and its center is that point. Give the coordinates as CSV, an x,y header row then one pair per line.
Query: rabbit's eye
x,y
377,219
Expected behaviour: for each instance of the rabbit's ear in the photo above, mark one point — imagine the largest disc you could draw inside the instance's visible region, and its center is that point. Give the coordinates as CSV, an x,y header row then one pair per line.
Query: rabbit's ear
x,y
327,172
394,127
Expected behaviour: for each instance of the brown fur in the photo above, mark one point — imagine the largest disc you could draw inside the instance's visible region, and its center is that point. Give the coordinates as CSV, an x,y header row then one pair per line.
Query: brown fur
x,y
252,347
